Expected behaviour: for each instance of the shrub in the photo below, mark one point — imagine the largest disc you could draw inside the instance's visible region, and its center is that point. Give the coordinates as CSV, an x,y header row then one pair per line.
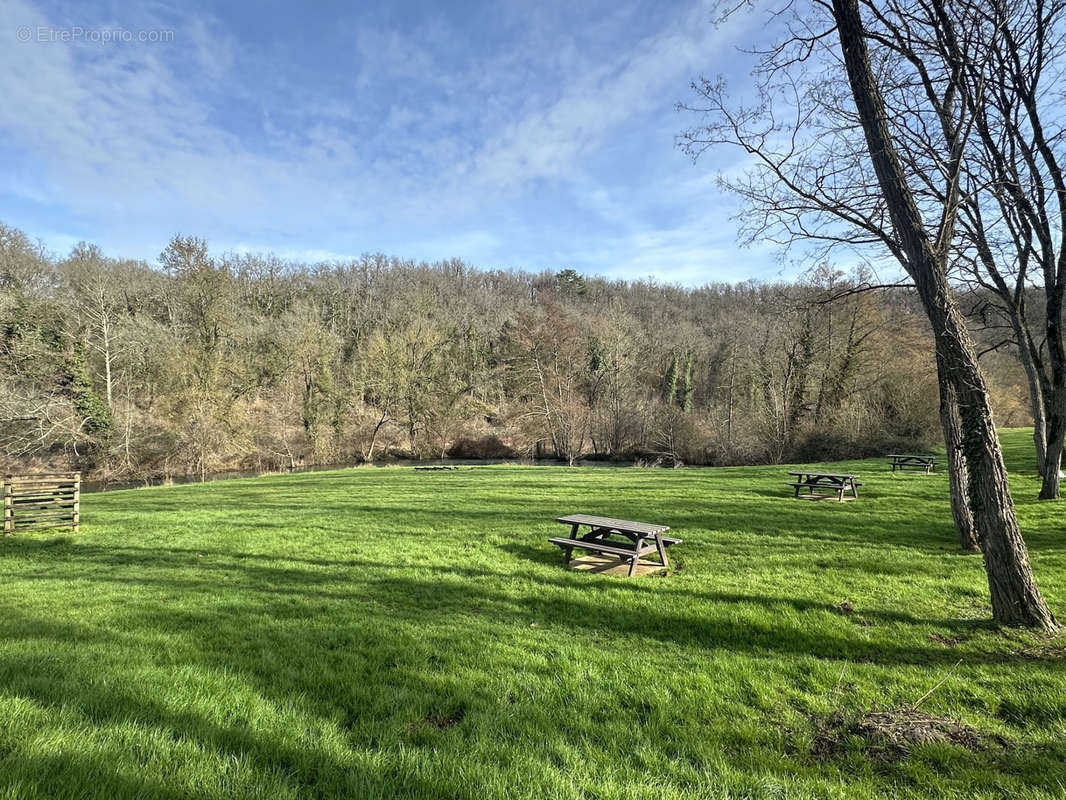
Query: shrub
x,y
490,446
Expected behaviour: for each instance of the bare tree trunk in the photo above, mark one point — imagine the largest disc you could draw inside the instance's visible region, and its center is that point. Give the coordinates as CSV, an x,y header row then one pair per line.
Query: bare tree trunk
x,y
729,397
1013,303
108,357
957,481
1030,359
1056,430
1014,594
374,435
1036,400
1046,399
128,429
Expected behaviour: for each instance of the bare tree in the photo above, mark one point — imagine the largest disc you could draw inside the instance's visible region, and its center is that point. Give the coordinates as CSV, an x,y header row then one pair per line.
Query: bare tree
x,y
549,355
98,299
1015,597
844,172
213,383
1014,212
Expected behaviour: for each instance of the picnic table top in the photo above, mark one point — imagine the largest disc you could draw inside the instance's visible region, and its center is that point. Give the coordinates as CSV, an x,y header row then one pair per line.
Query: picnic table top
x,y
629,526
912,455
816,474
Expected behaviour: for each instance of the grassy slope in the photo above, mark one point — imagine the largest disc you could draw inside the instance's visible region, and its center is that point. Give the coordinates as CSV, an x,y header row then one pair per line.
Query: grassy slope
x,y
289,636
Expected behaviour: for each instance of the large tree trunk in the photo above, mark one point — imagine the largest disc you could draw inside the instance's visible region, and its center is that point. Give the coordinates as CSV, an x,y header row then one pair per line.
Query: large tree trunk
x,y
1015,597
1037,400
1048,399
1056,431
1039,434
1054,296
957,481
1014,594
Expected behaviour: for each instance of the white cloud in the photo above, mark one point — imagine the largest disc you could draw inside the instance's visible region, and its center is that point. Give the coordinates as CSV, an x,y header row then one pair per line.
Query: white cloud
x,y
135,142
548,141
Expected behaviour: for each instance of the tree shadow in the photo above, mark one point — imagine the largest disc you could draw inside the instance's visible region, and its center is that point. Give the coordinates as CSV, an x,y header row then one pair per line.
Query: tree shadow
x,y
241,758
371,648
696,617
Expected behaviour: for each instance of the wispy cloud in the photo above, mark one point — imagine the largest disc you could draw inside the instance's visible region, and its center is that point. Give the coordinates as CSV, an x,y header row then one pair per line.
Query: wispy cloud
x,y
537,145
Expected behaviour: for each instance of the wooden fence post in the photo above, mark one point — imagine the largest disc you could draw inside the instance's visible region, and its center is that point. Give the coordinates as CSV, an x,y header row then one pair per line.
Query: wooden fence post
x,y
9,521
77,500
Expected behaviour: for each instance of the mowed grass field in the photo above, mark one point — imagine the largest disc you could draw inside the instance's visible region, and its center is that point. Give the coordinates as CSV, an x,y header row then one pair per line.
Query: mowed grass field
x,y
386,632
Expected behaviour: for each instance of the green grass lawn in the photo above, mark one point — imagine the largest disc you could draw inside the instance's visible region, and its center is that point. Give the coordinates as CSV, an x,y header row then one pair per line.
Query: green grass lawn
x,y
383,632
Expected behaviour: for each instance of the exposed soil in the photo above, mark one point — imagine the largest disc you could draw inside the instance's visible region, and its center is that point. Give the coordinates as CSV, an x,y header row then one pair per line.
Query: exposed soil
x,y
1043,653
947,641
846,609
438,721
890,735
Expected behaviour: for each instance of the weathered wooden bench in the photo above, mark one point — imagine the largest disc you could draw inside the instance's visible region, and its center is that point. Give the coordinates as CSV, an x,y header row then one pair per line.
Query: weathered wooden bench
x,y
912,463
643,538
825,483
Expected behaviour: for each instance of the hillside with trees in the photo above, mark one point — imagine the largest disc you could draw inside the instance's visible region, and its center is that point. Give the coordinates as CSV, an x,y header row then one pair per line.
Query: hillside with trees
x,y
211,361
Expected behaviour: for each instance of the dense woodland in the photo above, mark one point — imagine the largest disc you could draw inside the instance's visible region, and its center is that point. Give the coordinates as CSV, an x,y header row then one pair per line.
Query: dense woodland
x,y
204,362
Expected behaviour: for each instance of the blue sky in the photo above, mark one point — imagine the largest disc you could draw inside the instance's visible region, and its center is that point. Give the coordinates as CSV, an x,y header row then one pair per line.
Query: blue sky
x,y
532,136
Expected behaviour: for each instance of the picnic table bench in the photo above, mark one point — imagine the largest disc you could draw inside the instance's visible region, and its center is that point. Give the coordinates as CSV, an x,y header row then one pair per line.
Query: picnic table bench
x,y
642,538
825,482
913,463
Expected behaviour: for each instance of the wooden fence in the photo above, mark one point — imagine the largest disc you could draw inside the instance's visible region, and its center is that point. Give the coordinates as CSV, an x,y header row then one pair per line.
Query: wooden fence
x,y
44,500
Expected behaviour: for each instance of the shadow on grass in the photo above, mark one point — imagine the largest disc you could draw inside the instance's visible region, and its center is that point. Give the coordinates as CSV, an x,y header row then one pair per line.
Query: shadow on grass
x,y
643,608
829,522
241,760
78,774
381,661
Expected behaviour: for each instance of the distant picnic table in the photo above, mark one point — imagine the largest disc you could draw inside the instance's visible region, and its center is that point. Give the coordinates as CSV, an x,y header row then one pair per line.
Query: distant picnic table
x,y
913,463
643,538
827,483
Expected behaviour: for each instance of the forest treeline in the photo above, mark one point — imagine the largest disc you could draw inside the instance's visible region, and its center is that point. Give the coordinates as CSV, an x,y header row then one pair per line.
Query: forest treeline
x,y
203,362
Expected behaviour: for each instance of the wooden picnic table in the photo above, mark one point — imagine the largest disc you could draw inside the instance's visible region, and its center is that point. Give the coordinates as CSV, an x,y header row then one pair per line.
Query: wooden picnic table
x,y
912,463
829,482
642,538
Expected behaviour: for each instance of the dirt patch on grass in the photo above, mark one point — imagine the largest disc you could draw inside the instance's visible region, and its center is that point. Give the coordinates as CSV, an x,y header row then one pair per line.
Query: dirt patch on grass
x,y
846,609
436,721
947,641
1046,652
889,735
